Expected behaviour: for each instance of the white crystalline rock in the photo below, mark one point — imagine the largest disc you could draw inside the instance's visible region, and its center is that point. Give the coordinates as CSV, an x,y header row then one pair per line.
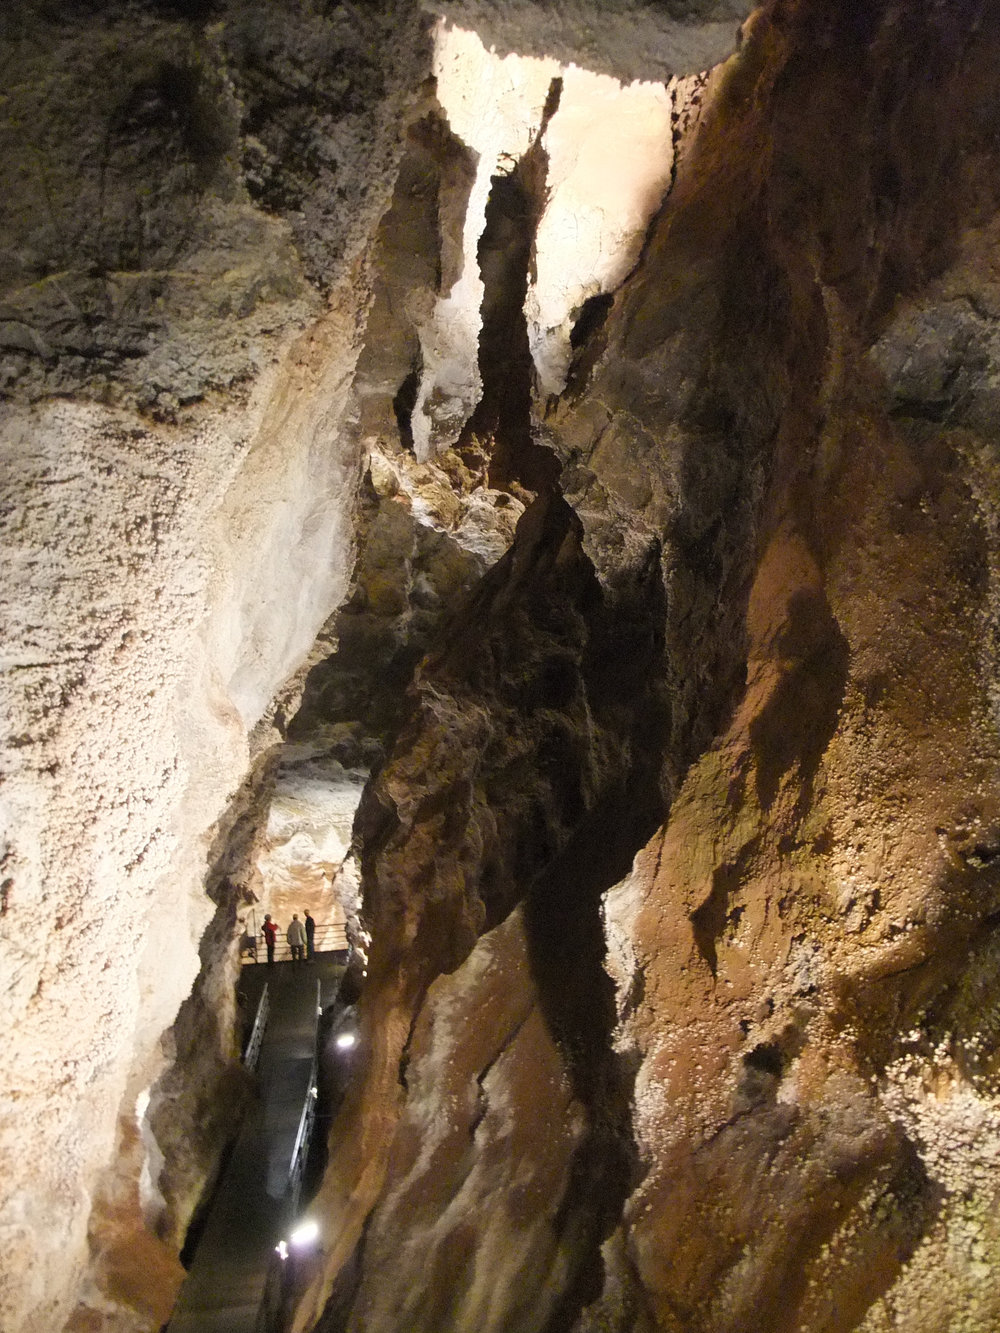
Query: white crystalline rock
x,y
315,813
151,1200
306,842
284,540
622,904
610,154
610,151
956,1128
950,1280
494,106
158,585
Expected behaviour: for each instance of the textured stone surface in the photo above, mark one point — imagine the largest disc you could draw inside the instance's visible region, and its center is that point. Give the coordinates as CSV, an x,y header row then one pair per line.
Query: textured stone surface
x,y
816,887
522,740
628,39
679,683
810,1110
177,354
479,1168
179,184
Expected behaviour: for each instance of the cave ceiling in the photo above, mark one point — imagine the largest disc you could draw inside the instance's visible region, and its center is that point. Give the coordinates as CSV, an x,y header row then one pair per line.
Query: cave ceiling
x,y
523,481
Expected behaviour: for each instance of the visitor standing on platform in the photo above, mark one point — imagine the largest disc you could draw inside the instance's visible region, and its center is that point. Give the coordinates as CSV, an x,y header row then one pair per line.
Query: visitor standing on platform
x,y
270,933
310,936
296,938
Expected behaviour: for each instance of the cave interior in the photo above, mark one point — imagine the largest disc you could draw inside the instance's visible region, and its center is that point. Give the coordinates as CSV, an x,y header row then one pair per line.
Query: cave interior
x,y
520,483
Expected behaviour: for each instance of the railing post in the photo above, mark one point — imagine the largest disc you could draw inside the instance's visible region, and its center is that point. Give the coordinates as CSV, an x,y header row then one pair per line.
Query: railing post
x,y
252,1052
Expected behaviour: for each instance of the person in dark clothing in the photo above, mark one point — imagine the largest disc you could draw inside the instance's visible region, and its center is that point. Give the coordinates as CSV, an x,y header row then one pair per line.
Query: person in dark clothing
x,y
310,936
270,932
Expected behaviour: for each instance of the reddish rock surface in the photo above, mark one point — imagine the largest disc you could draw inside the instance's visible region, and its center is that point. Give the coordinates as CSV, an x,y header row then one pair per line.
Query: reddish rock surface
x,y
776,429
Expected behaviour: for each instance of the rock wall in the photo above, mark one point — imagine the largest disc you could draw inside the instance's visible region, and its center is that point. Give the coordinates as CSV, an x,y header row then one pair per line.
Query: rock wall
x,y
804,921
189,193
779,459
674,652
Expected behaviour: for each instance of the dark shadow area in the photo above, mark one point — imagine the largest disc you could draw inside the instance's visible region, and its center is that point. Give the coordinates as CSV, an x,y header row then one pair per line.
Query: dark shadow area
x,y
198,10
337,1043
196,1227
566,941
621,673
337,1311
709,920
590,318
402,406
196,1105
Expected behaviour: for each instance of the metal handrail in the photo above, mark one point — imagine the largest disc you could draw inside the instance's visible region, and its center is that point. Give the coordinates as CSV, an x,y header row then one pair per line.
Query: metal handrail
x,y
252,1052
327,939
300,1152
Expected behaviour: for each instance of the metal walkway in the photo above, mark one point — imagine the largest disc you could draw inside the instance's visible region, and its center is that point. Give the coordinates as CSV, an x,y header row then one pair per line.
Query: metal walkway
x,y
227,1288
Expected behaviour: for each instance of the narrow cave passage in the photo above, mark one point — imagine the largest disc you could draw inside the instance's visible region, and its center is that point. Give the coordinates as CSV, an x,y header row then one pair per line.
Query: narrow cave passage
x,y
558,766
239,1275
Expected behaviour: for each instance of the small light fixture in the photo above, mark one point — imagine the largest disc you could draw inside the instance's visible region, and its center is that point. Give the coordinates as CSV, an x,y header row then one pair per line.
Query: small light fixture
x,y
305,1233
346,1041
282,1249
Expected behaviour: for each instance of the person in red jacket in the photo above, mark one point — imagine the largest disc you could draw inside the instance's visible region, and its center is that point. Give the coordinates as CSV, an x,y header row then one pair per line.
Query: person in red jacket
x,y
270,932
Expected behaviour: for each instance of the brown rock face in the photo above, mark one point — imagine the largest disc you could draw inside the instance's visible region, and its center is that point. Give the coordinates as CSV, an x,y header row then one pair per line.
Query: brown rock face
x,y
674,688
785,436
479,1169
811,902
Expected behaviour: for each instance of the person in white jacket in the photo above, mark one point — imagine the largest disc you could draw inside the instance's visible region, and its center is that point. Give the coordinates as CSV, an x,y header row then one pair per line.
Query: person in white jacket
x,y
296,936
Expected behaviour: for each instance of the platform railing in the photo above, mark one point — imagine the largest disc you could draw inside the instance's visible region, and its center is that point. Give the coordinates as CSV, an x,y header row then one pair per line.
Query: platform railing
x,y
300,1152
252,1051
327,939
